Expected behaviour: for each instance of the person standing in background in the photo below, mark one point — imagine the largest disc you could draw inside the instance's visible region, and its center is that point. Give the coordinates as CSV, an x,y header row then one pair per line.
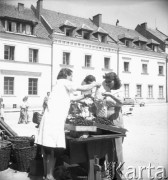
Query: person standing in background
x,y
1,108
45,102
24,117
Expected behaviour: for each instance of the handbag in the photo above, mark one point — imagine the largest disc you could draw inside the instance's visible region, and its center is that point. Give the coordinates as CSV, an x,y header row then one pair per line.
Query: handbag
x,y
37,117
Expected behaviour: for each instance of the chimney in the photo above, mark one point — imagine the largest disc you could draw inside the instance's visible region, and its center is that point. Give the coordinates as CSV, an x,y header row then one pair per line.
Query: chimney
x,y
20,7
39,8
144,25
97,19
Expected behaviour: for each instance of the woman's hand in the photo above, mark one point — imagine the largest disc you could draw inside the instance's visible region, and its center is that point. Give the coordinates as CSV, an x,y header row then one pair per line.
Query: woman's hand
x,y
97,84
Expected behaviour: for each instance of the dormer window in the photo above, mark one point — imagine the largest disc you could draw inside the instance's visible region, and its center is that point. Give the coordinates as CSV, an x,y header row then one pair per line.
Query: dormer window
x,y
126,39
155,48
68,31
140,44
68,28
102,38
86,34
128,42
85,31
18,27
153,45
101,35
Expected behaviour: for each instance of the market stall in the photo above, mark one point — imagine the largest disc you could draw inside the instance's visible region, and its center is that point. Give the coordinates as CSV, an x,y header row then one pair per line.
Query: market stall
x,y
99,142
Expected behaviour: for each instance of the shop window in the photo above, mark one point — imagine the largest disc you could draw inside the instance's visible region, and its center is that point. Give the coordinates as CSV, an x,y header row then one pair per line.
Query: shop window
x,y
9,52
32,86
9,85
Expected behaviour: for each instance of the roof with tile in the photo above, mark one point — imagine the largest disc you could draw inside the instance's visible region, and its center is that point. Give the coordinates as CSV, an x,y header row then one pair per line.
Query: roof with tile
x,y
57,19
117,31
158,34
152,41
12,12
7,10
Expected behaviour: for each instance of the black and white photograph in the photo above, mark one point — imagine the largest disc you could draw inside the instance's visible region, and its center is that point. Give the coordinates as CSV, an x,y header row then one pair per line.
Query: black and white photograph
x,y
83,89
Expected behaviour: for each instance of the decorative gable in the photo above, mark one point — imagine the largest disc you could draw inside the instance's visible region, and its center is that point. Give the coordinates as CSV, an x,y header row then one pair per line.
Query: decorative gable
x,y
140,42
85,31
153,45
101,34
126,39
68,28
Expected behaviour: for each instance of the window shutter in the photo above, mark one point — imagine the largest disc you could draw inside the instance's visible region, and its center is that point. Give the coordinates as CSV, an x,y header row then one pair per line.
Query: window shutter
x,y
6,25
13,27
27,29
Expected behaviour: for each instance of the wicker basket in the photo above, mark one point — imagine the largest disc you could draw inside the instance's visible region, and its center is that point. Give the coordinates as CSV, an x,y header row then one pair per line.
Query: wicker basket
x,y
22,141
5,151
23,157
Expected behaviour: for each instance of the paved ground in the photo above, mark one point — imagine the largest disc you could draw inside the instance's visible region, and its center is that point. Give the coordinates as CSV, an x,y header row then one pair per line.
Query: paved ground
x,y
147,140
146,144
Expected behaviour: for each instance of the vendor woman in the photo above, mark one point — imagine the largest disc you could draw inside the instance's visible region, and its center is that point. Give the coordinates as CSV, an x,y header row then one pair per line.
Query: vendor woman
x,y
51,135
111,94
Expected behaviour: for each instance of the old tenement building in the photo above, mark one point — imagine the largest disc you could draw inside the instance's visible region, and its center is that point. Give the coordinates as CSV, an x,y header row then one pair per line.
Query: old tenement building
x,y
35,43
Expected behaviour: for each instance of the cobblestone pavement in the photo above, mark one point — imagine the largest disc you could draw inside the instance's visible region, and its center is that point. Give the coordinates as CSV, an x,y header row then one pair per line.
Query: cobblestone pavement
x,y
146,144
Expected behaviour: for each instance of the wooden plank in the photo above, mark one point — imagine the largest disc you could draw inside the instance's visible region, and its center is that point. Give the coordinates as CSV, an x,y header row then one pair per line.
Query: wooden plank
x,y
111,128
71,127
95,137
7,128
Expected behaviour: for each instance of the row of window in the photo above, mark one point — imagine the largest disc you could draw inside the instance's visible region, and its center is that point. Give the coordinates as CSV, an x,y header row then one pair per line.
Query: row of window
x,y
28,29
144,68
33,88
139,91
18,27
140,44
9,54
86,34
9,86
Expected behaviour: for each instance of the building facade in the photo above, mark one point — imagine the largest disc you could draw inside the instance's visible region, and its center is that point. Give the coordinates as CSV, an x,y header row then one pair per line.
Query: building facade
x,y
36,46
25,58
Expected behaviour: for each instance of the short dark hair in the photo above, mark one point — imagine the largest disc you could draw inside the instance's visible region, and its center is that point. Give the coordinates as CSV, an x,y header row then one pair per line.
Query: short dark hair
x,y
89,78
113,76
64,73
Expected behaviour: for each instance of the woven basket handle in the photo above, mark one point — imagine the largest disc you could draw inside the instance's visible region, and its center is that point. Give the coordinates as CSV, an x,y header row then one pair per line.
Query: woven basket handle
x,y
2,134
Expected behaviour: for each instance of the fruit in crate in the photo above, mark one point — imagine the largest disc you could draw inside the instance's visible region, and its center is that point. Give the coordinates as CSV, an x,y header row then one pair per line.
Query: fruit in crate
x,y
101,120
79,121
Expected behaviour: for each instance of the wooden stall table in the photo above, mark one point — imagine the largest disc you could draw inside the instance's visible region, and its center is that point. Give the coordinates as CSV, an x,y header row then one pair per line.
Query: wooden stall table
x,y
97,145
